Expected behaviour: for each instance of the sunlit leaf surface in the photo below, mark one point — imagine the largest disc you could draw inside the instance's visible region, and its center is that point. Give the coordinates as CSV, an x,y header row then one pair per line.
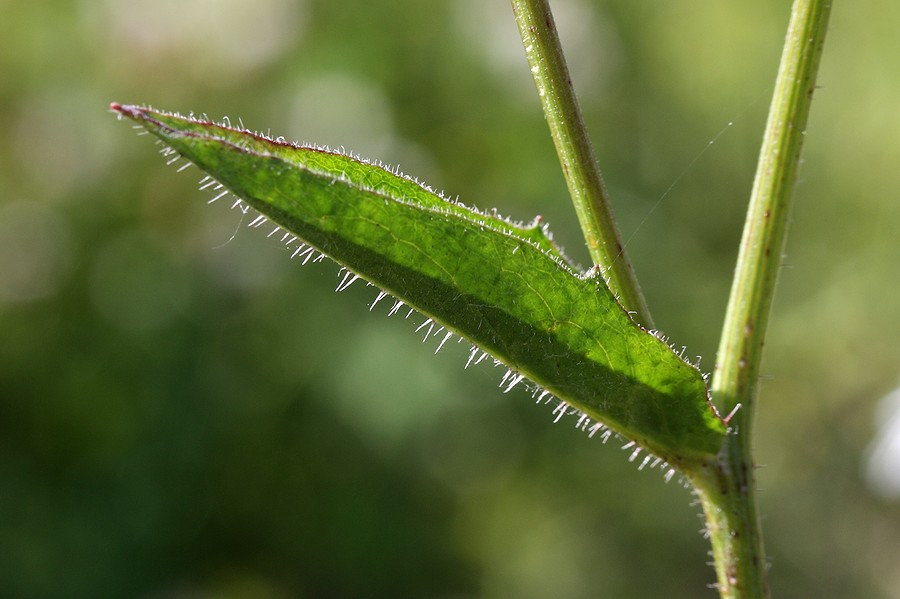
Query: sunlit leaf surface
x,y
502,286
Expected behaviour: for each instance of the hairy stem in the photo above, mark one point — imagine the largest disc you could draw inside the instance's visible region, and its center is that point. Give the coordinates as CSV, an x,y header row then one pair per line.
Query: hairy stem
x,y
576,155
727,491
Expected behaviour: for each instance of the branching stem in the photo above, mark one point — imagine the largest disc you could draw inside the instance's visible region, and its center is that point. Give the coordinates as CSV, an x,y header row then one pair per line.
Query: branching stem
x,y
728,491
726,487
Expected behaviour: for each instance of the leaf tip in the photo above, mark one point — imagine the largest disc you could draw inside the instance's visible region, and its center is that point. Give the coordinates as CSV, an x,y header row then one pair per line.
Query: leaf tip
x,y
128,110
124,109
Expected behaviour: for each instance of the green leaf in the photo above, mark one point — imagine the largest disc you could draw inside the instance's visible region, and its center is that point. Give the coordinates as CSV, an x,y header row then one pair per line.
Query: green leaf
x,y
504,287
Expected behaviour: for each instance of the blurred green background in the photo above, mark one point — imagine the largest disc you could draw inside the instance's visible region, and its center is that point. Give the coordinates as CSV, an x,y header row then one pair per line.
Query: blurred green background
x,y
186,412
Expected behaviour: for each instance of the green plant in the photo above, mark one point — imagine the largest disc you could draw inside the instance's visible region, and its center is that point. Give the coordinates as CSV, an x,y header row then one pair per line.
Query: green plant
x,y
586,339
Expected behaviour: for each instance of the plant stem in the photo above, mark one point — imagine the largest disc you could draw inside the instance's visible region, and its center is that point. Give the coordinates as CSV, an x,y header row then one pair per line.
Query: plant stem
x,y
576,155
727,491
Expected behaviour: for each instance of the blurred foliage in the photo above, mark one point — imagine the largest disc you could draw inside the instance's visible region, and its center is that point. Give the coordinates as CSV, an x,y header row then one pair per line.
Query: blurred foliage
x,y
186,412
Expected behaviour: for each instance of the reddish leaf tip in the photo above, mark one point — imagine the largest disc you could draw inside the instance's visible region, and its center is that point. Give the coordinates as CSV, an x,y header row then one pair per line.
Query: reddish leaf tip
x,y
125,109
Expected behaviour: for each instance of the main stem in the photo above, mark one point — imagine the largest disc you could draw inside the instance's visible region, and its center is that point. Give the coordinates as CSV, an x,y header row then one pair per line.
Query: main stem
x,y
576,155
727,491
